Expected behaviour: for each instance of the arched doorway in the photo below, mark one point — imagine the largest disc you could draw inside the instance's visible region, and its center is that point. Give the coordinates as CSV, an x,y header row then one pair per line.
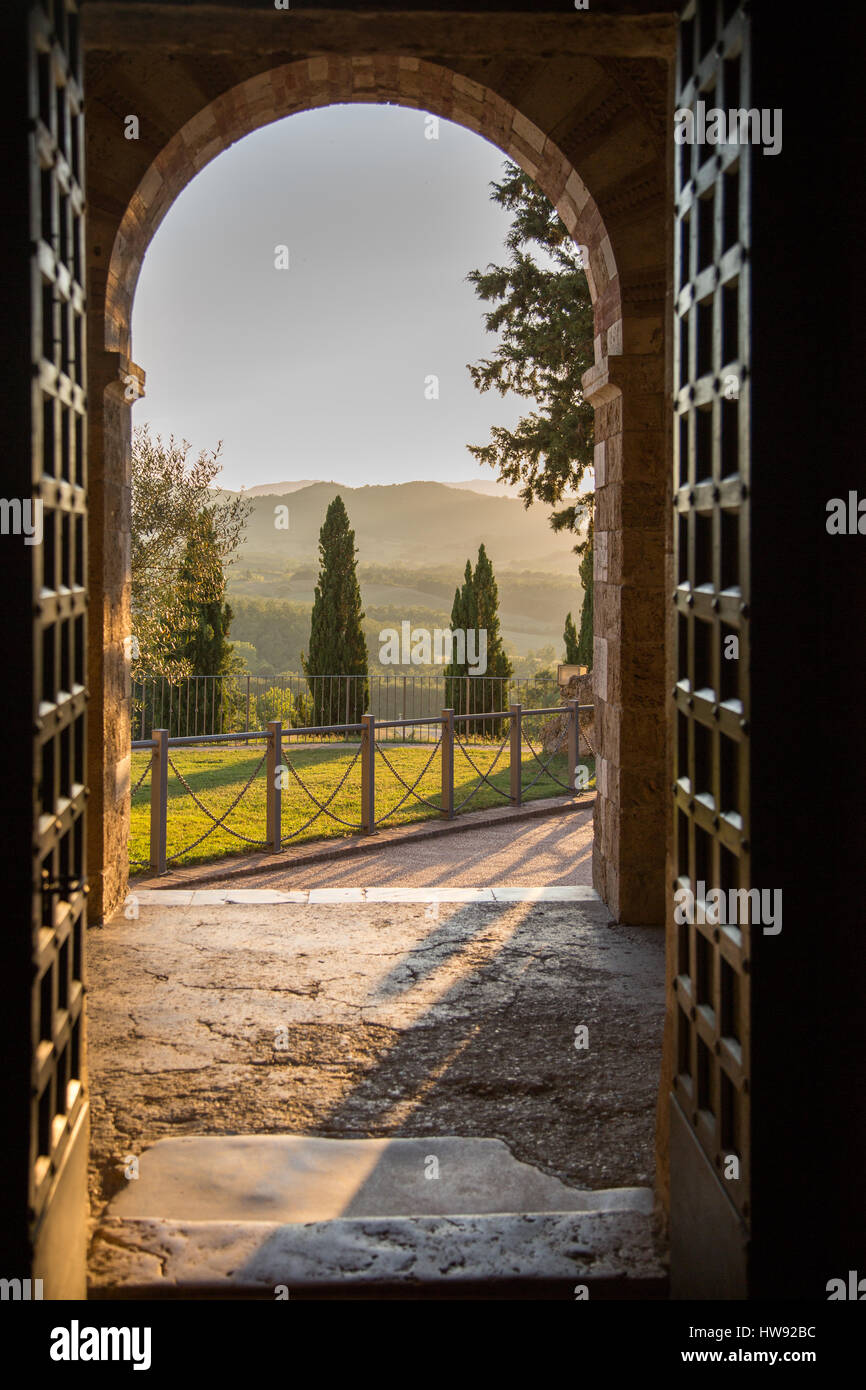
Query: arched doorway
x,y
626,387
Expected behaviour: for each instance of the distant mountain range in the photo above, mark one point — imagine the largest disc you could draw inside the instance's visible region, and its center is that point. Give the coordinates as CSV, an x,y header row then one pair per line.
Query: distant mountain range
x,y
487,486
417,524
278,489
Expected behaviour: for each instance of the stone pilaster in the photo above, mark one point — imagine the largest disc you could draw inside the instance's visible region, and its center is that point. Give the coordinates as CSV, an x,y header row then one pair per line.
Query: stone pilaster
x,y
114,383
629,626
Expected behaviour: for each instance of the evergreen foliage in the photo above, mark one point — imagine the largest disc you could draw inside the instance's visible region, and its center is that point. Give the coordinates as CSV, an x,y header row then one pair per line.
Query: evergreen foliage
x,y
337,644
542,311
476,610
584,645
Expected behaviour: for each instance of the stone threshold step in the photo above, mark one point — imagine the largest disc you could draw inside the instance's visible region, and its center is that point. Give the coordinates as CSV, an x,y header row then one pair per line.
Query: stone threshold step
x,y
598,1254
285,1178
268,1216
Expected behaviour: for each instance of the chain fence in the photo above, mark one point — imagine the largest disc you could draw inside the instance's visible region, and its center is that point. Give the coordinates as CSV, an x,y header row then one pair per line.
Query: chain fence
x,y
563,727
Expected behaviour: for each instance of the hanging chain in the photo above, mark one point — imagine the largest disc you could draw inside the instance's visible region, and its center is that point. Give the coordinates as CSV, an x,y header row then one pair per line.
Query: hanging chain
x,y
323,806
217,822
148,765
410,791
484,776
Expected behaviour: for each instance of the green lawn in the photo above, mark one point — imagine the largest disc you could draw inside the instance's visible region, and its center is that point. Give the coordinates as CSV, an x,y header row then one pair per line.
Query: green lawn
x,y
216,775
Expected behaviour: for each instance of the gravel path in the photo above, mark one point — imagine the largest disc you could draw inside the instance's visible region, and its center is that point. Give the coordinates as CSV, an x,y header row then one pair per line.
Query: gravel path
x,y
549,850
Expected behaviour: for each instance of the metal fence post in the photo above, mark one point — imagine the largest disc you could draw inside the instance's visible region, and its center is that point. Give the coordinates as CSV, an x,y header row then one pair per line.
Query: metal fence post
x,y
368,773
274,833
514,714
448,763
573,744
159,800
247,724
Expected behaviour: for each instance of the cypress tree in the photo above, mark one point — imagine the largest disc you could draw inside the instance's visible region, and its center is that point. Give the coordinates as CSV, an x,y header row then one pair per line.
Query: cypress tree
x,y
467,597
337,643
489,689
475,610
584,645
462,620
203,641
455,670
469,609
570,639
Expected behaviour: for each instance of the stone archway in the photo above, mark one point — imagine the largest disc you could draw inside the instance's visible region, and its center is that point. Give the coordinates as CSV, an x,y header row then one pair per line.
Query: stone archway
x,y
315,82
627,260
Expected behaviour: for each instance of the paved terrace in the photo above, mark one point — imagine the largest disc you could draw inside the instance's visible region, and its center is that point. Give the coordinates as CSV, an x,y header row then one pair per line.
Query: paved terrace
x,y
417,990
217,1013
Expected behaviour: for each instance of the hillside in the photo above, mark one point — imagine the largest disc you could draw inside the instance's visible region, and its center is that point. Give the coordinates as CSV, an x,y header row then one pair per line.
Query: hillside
x,y
272,611
489,487
416,524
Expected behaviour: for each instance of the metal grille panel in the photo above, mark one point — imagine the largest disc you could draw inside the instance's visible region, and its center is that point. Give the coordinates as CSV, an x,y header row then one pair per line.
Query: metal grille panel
x,y
59,578
711,559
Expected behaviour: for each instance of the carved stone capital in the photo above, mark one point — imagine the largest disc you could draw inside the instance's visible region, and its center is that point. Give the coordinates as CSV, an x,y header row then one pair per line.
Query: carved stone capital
x,y
640,373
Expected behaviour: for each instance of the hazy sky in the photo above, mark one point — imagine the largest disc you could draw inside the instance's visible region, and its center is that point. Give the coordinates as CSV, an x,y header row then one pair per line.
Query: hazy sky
x,y
319,371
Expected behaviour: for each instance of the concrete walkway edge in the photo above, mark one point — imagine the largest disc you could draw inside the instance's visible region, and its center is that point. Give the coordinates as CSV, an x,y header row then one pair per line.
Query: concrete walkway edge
x,y
272,897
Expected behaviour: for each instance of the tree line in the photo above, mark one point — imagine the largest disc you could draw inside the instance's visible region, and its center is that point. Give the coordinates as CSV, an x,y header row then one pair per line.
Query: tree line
x,y
184,535
182,618
338,643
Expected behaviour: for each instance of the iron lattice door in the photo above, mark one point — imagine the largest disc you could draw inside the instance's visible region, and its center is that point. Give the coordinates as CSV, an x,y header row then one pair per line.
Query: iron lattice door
x,y
58,1110
710,1104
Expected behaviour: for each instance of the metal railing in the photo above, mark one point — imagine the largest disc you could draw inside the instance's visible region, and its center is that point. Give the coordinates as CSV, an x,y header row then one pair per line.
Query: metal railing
x,y
370,731
410,704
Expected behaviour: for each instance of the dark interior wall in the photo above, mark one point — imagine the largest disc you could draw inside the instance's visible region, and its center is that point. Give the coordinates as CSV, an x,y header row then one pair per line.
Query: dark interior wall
x,y
807,664
16,694
807,734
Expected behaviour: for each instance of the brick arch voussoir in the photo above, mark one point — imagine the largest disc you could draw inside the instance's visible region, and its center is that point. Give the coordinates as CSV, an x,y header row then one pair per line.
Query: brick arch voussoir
x,y
309,83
